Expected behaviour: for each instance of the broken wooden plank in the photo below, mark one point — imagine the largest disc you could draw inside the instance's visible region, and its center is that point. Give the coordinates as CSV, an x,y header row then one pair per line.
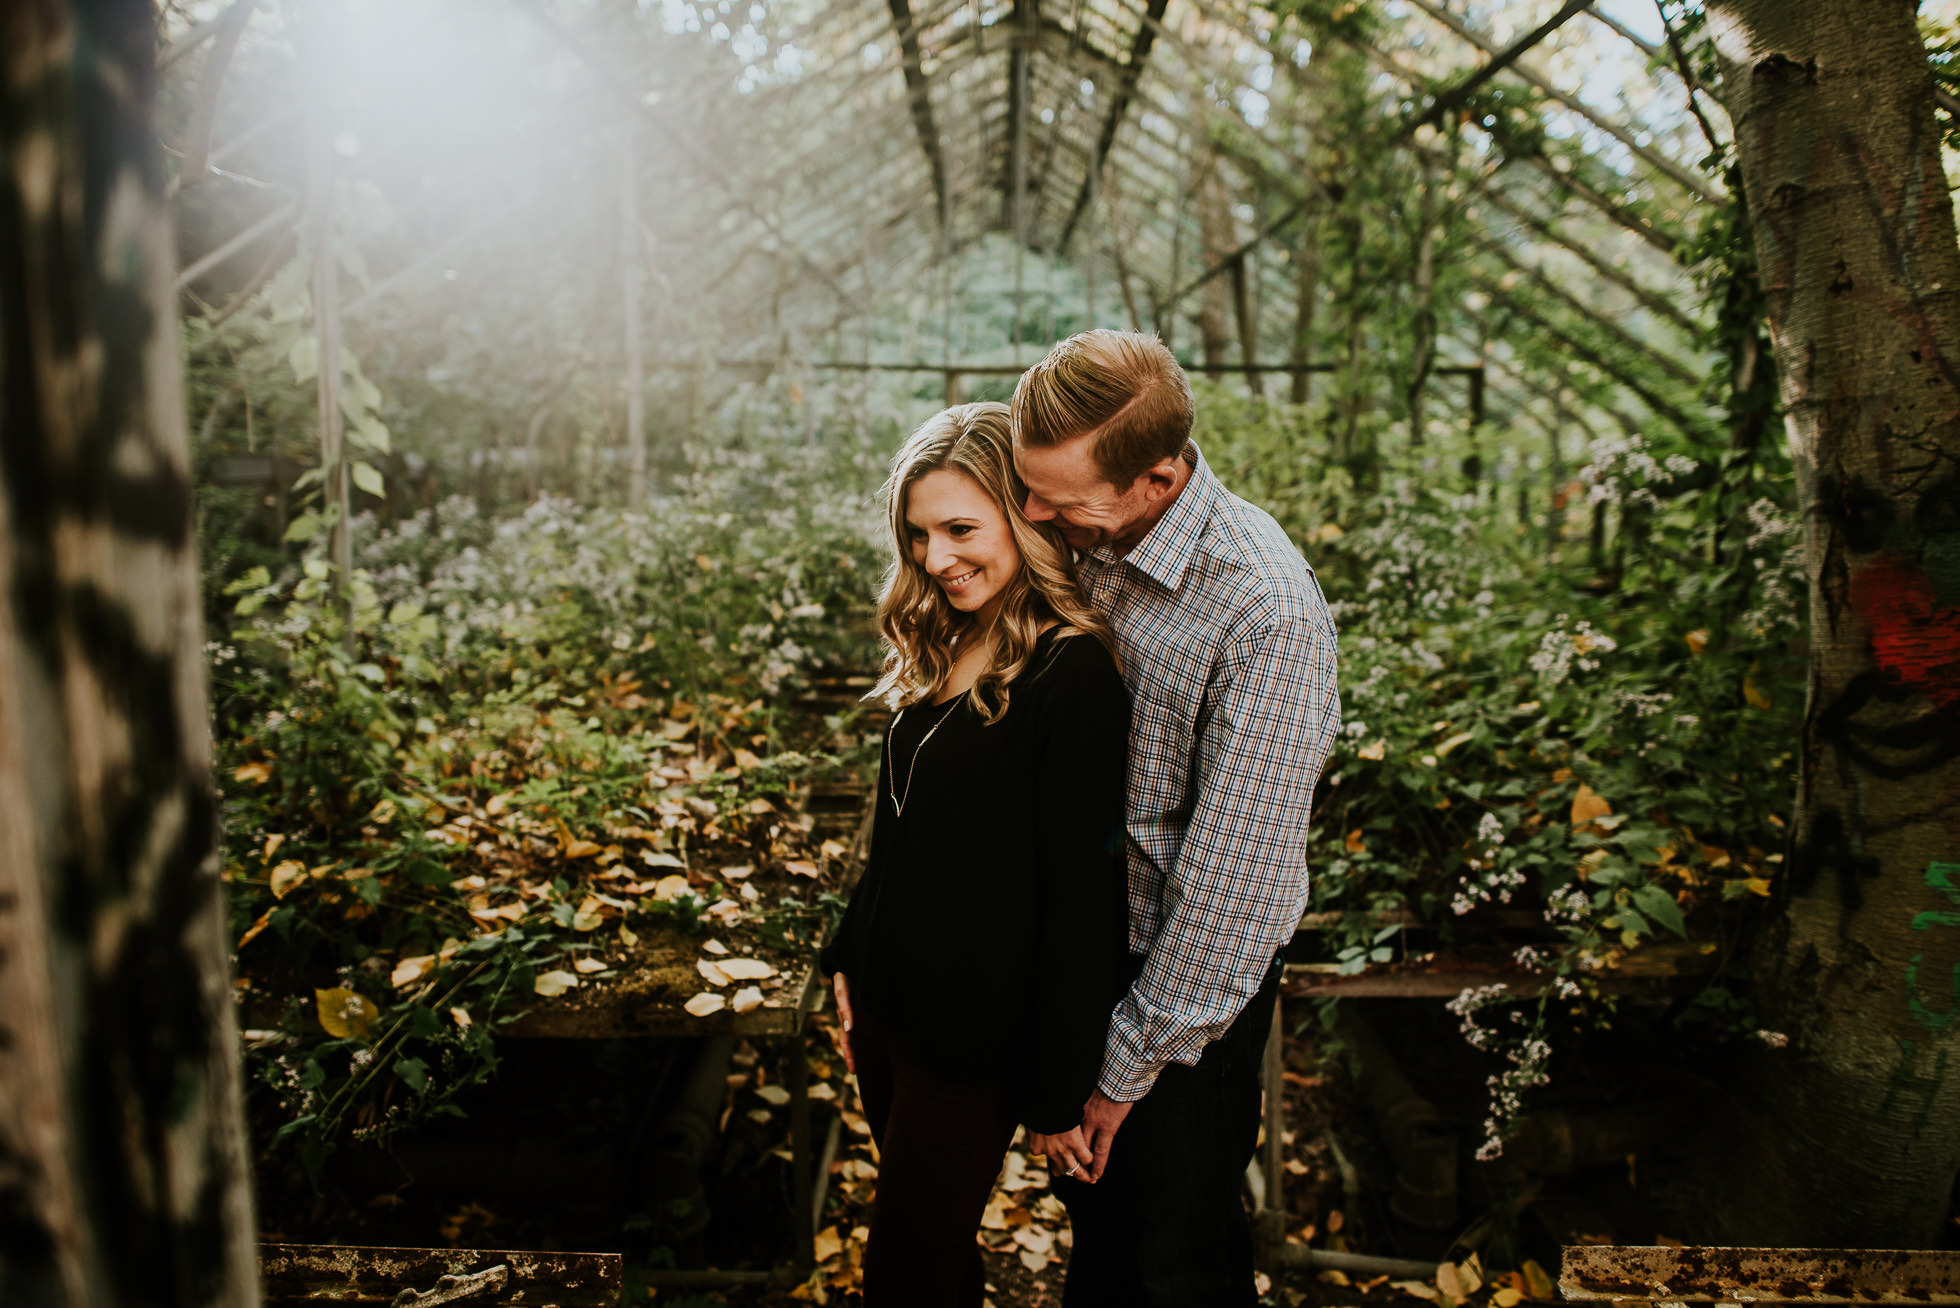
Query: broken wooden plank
x,y
598,1015
346,1274
1691,1275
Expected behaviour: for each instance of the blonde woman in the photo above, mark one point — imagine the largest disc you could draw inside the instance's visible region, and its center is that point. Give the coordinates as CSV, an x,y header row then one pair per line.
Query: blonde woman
x,y
984,947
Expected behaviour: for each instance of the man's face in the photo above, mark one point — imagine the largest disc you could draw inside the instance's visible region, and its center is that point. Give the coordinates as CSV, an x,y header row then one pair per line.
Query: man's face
x,y
1066,487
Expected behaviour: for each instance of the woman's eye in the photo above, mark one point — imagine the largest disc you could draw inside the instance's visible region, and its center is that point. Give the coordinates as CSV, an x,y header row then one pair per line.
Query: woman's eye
x,y
961,531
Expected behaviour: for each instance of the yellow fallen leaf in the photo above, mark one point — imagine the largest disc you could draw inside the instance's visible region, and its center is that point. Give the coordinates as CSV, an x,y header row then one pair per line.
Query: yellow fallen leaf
x,y
747,999
1460,738
587,918
1585,807
344,1013
383,813
1754,693
833,849
555,983
588,965
410,970
724,911
1697,641
1537,1284
1420,1289
822,1090
705,1003
252,932
256,773
1035,1239
1354,843
627,936
854,1122
737,872
755,807
712,971
1758,886
497,804
461,1017
1033,1261
286,877
773,1095
659,858
670,888
713,947
802,867
582,849
746,969
743,762
1507,1297
1375,752
1334,1276
829,1244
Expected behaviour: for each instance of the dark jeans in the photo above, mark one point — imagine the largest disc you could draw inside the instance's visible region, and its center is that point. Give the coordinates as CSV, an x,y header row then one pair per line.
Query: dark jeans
x,y
1165,1226
940,1147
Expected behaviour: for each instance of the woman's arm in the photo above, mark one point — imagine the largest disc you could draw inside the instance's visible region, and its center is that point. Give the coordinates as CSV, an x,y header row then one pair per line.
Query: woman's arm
x,y
1080,742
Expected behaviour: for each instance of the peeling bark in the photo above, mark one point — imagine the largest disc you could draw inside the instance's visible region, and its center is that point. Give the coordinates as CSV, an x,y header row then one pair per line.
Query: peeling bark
x,y
122,1147
1855,1128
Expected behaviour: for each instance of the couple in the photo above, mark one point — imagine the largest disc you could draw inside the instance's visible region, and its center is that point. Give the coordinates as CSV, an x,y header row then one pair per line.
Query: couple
x,y
1115,685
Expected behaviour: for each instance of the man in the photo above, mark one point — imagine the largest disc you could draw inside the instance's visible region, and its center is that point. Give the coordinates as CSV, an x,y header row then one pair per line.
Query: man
x,y
1228,649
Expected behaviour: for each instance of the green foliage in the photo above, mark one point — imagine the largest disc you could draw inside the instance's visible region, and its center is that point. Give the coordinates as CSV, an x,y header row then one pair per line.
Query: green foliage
x,y
545,668
1612,752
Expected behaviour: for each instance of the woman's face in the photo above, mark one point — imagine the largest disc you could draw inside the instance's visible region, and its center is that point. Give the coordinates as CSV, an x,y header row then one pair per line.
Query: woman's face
x,y
960,537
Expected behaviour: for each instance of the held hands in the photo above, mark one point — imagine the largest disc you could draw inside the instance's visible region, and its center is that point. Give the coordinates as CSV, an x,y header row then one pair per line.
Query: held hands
x,y
843,989
1068,1154
1083,1152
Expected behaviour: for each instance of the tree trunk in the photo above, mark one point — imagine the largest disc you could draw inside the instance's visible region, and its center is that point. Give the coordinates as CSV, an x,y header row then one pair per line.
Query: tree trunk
x,y
1214,226
1856,1137
1306,256
123,1171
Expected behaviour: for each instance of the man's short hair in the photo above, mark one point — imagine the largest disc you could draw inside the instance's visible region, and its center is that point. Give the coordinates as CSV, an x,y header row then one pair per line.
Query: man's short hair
x,y
1125,387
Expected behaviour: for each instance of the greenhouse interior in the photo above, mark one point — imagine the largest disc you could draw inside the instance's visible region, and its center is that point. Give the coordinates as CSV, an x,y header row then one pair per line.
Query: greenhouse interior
x,y
543,364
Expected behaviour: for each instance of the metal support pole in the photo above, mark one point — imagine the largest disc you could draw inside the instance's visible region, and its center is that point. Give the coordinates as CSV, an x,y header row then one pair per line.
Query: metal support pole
x,y
1269,1223
804,1228
326,335
630,278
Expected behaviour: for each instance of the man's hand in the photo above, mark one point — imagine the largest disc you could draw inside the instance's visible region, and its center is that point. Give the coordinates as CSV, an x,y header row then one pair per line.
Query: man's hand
x,y
1101,1117
843,988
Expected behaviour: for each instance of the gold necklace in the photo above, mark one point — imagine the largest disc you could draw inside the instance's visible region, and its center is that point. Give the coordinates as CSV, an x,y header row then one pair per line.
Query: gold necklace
x,y
898,803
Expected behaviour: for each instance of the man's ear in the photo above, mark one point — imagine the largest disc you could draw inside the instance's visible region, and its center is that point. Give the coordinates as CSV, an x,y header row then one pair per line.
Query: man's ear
x,y
1159,480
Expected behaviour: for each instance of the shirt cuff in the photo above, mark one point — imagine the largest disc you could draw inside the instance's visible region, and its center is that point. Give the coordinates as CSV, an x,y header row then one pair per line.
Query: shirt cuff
x,y
1127,1073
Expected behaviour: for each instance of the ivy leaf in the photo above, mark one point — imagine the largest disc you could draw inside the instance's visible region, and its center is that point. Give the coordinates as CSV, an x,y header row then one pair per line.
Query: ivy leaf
x,y
414,1073
1660,906
369,480
305,527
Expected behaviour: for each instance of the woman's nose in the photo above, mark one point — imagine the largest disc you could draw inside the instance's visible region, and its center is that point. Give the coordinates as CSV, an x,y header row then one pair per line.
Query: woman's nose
x,y
940,555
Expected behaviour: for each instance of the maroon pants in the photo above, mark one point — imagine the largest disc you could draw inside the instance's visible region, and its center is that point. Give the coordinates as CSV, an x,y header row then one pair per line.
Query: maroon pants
x,y
940,1147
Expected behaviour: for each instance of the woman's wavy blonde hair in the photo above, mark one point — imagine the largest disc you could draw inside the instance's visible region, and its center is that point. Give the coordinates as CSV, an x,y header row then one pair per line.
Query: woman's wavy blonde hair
x,y
919,623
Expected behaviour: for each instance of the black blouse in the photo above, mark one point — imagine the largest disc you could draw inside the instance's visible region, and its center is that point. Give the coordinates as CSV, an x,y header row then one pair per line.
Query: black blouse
x,y
989,930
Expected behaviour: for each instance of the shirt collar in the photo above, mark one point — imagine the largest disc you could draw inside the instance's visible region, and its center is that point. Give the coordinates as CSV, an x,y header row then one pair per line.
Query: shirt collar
x,y
1165,551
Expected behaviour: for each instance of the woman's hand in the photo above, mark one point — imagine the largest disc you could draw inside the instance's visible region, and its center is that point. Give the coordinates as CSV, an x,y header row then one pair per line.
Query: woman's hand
x,y
843,989
1068,1154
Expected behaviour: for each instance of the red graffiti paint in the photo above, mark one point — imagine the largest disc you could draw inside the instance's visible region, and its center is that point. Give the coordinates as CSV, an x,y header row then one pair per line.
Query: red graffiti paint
x,y
1916,641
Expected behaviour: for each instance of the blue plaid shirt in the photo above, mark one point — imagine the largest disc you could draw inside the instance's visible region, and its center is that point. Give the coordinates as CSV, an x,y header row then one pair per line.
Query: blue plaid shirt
x,y
1228,649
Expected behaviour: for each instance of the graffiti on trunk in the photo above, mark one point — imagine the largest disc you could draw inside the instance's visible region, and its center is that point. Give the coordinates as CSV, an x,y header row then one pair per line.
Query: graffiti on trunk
x,y
1940,877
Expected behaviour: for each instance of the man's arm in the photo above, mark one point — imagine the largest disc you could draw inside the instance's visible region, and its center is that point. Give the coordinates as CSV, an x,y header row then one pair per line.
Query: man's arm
x,y
1236,891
